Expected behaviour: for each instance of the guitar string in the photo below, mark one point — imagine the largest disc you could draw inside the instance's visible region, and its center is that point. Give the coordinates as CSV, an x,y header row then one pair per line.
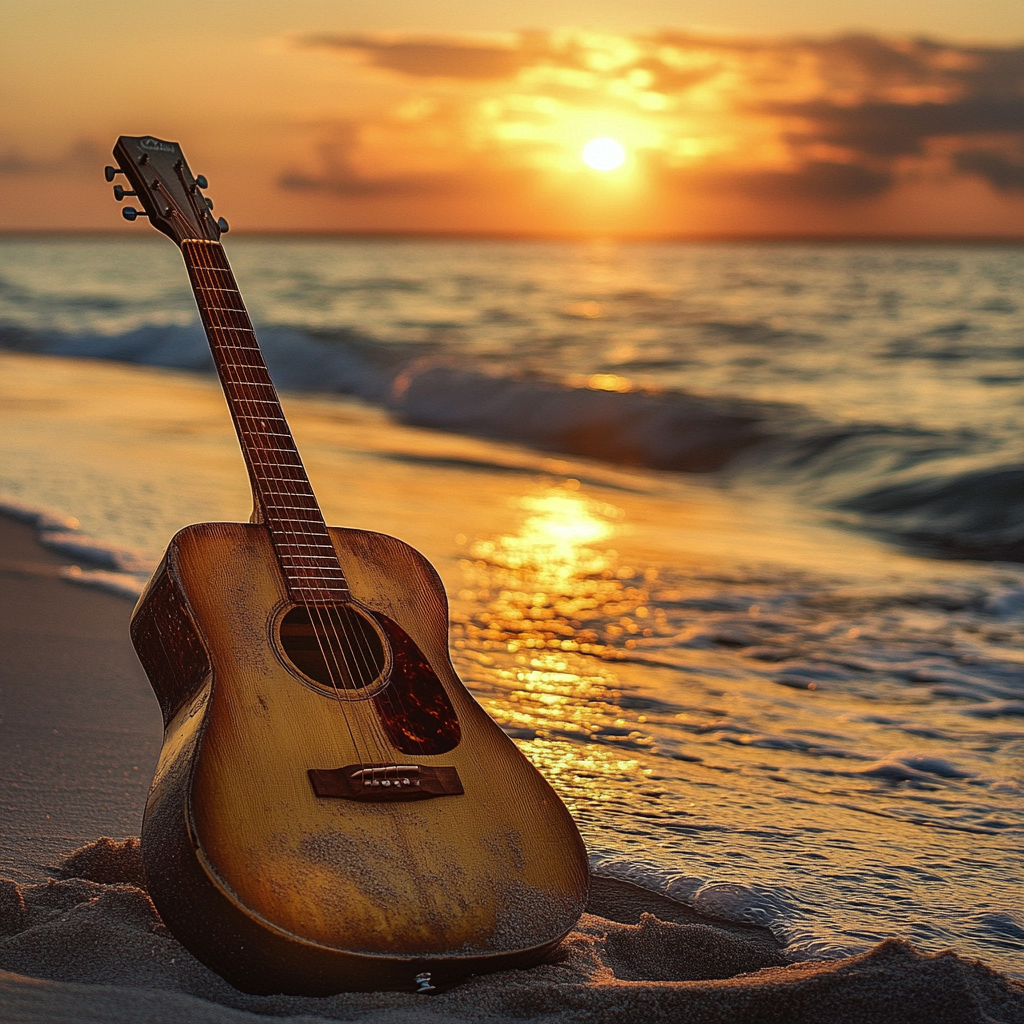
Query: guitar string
x,y
315,612
254,453
351,644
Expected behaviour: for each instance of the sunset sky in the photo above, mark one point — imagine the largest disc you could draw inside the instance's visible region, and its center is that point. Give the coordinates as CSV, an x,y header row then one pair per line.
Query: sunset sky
x,y
777,117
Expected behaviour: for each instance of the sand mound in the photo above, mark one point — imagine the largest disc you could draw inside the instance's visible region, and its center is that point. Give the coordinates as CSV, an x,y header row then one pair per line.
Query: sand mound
x,y
90,946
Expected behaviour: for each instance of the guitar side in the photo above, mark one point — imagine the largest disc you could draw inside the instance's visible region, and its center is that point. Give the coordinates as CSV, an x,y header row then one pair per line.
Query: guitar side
x,y
280,889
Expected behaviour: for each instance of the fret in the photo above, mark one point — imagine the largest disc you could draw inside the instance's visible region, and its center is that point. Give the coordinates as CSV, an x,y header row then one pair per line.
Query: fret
x,y
290,519
247,383
245,330
221,323
303,573
322,571
219,320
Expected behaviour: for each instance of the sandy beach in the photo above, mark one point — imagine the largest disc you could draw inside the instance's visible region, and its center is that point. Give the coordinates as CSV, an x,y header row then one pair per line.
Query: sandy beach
x,y
82,942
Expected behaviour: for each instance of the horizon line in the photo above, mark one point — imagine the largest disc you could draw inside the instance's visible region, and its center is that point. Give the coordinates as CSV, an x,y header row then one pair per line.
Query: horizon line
x,y
508,236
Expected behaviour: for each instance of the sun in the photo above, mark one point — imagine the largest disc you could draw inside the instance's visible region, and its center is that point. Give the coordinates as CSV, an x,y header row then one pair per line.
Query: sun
x,y
603,154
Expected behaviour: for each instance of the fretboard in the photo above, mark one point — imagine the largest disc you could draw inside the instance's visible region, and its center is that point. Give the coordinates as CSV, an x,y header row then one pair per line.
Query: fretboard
x,y
281,490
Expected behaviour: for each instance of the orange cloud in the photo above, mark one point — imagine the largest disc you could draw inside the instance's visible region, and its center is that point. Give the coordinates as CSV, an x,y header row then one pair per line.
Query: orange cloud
x,y
426,58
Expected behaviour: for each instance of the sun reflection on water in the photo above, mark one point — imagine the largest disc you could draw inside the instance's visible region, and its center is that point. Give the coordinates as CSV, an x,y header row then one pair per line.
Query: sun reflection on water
x,y
545,611
552,584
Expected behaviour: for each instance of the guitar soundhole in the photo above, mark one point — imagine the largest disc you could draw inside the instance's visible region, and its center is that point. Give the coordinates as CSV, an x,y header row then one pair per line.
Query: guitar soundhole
x,y
338,647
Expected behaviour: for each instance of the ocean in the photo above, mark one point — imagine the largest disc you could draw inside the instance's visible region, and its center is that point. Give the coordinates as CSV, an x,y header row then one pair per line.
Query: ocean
x,y
733,533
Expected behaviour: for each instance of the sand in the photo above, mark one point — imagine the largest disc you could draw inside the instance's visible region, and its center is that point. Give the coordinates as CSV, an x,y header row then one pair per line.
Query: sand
x,y
80,940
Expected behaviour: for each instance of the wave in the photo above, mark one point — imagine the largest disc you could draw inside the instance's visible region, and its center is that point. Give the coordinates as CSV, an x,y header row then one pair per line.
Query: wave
x,y
952,494
110,567
764,906
673,430
948,494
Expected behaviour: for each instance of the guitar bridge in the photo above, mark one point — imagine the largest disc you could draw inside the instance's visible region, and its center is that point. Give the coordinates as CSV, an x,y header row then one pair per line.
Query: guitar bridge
x,y
385,782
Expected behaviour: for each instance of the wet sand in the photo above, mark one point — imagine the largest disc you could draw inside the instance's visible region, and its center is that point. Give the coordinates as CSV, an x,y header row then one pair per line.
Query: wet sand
x,y
80,940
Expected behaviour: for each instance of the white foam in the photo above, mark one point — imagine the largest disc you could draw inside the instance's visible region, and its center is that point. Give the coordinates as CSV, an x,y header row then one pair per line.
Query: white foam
x,y
738,902
110,567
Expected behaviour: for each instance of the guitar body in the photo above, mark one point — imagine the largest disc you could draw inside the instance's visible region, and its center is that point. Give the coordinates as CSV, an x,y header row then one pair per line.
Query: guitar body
x,y
281,889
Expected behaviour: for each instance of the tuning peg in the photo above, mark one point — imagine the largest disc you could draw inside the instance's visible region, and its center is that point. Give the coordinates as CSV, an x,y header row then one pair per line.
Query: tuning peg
x,y
201,181
130,213
109,172
209,202
120,193
223,225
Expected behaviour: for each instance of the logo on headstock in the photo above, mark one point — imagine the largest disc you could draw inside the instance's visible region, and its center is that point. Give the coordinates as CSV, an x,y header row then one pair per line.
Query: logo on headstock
x,y
151,143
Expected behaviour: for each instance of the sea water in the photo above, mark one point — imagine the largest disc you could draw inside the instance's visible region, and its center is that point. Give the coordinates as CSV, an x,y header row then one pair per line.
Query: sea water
x,y
733,534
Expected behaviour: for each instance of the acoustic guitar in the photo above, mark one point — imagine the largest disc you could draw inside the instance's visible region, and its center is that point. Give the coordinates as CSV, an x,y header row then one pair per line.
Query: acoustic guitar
x,y
332,810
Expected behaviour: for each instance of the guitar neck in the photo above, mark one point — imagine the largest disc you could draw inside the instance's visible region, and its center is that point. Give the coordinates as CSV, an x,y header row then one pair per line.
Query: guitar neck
x,y
282,496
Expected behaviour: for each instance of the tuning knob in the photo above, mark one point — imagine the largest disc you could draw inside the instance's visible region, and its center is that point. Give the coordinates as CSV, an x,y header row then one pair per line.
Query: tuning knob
x,y
223,225
109,172
130,213
120,193
209,202
201,181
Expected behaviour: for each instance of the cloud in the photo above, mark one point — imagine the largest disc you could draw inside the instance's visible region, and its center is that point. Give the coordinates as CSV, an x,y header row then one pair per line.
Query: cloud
x,y
822,121
892,129
1002,173
83,155
816,180
428,58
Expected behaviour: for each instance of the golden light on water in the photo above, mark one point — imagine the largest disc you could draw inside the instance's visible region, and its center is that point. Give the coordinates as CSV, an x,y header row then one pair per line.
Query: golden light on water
x,y
546,611
603,154
554,540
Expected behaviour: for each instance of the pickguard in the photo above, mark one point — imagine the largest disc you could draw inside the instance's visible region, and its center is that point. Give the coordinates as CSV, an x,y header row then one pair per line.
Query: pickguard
x,y
413,708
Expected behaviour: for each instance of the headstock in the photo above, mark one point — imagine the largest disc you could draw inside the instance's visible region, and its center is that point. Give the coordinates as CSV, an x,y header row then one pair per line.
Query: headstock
x,y
169,193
